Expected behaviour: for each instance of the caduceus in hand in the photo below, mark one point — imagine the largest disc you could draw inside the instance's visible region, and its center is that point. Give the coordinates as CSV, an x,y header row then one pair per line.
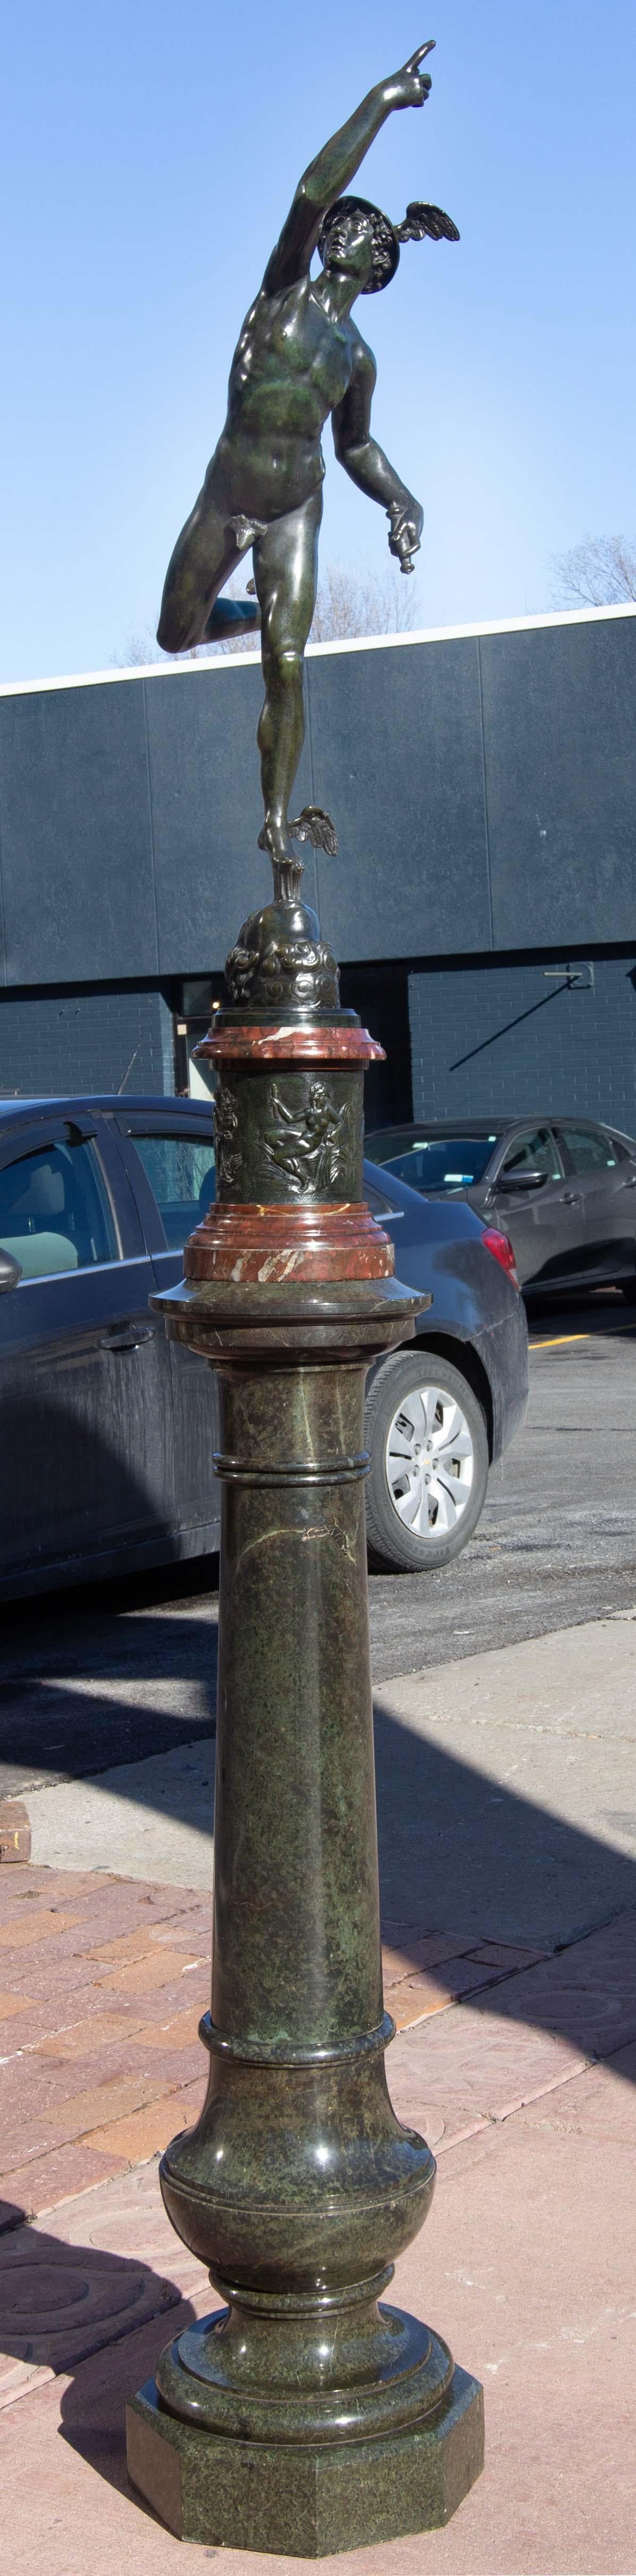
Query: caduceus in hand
x,y
300,356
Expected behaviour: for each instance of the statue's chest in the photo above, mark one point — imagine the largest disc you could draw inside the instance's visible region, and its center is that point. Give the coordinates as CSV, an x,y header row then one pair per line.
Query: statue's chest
x,y
316,350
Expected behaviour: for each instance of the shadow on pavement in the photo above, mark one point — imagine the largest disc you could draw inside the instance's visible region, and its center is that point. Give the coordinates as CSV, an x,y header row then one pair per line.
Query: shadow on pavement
x,y
63,2304
116,1698
461,1852
590,1311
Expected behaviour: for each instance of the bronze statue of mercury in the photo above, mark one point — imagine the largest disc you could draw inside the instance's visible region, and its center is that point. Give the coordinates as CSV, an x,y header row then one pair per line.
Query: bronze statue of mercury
x,y
304,2415
300,356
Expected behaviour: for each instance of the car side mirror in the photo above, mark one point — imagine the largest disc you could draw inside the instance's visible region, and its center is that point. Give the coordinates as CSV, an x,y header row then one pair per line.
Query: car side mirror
x,y
524,1180
10,1270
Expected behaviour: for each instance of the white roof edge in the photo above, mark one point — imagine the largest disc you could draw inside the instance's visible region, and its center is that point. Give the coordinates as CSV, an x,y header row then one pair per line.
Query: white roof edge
x,y
353,644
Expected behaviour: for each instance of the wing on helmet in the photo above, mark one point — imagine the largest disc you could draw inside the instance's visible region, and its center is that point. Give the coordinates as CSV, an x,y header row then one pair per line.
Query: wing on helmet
x,y
420,220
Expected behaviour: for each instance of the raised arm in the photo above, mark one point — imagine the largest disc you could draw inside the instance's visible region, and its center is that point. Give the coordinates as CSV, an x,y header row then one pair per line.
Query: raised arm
x,y
333,168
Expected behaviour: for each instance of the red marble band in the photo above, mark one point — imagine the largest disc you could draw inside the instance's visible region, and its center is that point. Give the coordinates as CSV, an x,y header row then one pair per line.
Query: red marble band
x,y
266,1244
320,1045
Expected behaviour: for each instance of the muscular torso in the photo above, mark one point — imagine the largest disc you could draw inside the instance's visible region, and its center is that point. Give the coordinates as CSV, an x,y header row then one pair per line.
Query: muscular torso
x,y
291,368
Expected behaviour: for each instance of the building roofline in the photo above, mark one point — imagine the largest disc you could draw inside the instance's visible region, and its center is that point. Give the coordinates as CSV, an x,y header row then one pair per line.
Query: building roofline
x,y
218,663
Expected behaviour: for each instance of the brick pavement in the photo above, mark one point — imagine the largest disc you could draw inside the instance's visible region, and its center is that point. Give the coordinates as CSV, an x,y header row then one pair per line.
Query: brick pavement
x,y
103,1982
520,2068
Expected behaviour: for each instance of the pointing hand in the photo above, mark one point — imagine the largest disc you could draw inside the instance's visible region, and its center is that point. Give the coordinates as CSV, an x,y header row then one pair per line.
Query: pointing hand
x,y
410,87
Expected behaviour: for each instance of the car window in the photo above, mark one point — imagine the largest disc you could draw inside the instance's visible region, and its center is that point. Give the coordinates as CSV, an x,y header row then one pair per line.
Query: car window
x,y
590,1151
535,1152
55,1212
376,1201
182,1174
442,1162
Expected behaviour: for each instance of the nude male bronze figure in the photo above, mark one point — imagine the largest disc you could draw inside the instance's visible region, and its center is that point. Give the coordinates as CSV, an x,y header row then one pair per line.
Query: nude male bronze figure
x,y
299,357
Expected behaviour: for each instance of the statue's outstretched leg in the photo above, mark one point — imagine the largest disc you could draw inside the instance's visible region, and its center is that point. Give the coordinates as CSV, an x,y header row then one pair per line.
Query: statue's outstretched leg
x,y
230,617
205,556
286,572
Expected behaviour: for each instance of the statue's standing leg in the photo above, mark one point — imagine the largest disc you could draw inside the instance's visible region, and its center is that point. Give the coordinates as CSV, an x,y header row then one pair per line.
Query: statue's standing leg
x,y
286,573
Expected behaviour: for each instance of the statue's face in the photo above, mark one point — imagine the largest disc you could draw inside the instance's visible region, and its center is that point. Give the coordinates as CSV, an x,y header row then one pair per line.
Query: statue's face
x,y
349,249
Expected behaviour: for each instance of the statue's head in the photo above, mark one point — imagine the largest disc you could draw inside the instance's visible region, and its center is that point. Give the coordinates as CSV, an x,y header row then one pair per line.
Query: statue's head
x,y
358,241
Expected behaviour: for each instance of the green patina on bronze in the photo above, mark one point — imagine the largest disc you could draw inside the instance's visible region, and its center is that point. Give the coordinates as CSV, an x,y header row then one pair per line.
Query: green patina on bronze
x,y
281,961
298,1138
305,2415
300,358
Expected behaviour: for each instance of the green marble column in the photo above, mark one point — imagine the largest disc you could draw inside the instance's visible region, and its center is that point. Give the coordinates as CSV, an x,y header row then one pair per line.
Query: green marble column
x,y
305,2415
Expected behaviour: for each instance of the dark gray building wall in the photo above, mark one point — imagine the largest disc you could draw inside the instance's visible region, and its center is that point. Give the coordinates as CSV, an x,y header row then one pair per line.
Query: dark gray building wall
x,y
559,733
78,898
206,813
486,1039
484,792
483,788
84,1042
397,759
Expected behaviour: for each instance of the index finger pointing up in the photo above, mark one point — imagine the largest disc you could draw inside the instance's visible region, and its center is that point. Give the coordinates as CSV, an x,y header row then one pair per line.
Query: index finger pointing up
x,y
418,57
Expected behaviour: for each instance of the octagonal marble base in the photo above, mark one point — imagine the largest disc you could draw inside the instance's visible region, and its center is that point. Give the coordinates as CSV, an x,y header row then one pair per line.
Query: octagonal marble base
x,y
304,2501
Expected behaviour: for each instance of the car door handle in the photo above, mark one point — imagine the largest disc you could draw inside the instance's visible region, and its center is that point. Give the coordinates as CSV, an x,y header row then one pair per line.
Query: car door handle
x,y
571,1198
128,1341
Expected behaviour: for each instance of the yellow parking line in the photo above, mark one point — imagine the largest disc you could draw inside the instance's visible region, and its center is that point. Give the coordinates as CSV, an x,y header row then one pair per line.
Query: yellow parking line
x,y
603,1335
558,1338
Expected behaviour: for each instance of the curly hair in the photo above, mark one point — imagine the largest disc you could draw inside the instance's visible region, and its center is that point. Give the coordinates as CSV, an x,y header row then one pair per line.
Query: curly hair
x,y
385,245
419,223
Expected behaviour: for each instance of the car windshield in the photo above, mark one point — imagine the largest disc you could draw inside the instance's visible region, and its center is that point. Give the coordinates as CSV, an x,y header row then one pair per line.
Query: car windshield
x,y
442,1162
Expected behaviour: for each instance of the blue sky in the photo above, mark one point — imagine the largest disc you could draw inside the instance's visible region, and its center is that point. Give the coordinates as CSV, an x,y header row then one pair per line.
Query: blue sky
x,y
149,157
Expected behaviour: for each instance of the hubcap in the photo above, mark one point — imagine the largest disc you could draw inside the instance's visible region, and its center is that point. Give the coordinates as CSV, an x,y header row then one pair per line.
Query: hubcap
x,y
429,1462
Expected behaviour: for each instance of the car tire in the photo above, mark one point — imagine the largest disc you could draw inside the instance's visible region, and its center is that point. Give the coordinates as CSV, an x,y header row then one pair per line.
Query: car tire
x,y
628,1289
419,1407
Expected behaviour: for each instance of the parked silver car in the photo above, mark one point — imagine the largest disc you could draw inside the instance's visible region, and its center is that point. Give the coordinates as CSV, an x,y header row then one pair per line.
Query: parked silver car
x,y
564,1189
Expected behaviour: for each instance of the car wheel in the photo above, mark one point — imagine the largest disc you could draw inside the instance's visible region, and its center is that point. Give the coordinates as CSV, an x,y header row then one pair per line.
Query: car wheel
x,y
628,1287
428,1446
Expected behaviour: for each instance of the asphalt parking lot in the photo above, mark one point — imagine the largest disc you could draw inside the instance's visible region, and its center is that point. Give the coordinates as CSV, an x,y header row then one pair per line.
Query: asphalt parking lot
x,y
110,1674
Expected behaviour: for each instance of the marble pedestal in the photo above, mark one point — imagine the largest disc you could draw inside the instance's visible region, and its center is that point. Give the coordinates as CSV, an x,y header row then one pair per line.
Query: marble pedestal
x,y
305,2415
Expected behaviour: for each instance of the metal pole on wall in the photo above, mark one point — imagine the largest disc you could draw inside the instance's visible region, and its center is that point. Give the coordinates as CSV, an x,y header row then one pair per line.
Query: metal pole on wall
x,y
305,2415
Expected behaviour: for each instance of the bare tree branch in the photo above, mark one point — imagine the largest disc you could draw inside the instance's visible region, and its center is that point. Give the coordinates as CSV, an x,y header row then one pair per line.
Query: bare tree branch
x,y
140,646
350,604
598,573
